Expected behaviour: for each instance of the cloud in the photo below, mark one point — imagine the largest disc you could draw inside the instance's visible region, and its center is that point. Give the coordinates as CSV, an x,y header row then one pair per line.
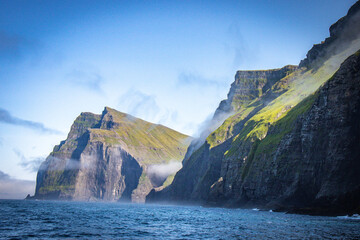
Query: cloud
x,y
4,176
139,104
238,46
164,170
55,164
32,164
145,106
6,117
158,173
244,54
186,78
86,77
11,188
211,123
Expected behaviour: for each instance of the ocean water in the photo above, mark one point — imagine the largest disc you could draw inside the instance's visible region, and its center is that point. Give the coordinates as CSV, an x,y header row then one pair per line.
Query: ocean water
x,y
69,220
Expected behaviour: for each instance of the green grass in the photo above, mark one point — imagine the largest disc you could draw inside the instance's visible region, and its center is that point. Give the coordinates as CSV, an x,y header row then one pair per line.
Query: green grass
x,y
227,129
285,125
150,142
168,180
87,120
300,85
55,188
257,126
195,156
143,178
250,159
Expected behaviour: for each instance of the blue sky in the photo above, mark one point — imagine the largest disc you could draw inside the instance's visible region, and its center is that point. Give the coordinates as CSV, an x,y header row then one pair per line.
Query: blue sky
x,y
168,62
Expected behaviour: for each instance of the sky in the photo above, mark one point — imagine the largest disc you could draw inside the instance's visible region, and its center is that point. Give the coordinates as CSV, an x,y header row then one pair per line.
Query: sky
x,y
168,62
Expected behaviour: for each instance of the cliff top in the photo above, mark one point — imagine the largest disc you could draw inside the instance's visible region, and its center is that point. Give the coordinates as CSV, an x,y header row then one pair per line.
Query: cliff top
x,y
146,141
267,70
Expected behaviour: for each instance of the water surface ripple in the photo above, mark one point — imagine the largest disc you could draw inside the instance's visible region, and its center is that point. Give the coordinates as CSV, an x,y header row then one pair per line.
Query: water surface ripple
x,y
68,220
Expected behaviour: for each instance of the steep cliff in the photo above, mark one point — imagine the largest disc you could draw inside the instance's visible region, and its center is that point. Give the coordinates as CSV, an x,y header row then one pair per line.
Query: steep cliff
x,y
250,92
309,160
256,157
106,157
342,33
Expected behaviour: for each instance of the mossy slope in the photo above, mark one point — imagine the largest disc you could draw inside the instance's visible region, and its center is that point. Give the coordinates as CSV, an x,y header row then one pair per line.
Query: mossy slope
x,y
94,139
235,164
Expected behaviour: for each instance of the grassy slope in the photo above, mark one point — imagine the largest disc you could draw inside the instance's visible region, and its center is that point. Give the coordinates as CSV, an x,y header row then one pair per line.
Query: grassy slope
x,y
299,85
148,142
248,132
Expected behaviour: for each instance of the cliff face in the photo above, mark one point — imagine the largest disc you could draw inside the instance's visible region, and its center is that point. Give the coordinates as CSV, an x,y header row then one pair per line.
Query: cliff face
x,y
106,157
341,34
251,91
250,85
309,160
289,142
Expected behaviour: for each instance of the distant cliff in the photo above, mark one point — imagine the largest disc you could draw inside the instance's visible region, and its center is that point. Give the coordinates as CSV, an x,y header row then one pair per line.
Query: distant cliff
x,y
202,168
289,137
342,33
107,157
309,160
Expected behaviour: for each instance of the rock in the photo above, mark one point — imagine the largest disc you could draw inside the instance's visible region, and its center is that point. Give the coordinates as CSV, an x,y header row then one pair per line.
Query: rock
x,y
314,168
28,197
202,162
342,33
105,157
288,138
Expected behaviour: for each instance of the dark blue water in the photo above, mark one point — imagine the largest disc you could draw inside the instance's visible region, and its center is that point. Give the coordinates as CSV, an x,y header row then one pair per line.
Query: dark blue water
x,y
68,220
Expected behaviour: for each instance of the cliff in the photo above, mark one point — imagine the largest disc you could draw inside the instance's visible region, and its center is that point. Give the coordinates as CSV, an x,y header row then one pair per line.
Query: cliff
x,y
201,167
342,33
107,157
309,160
288,139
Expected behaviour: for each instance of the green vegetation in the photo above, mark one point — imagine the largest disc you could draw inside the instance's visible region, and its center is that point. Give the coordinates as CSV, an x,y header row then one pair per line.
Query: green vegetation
x,y
143,178
195,156
285,125
58,180
267,128
152,143
85,121
169,180
227,128
295,87
148,143
250,159
106,136
55,188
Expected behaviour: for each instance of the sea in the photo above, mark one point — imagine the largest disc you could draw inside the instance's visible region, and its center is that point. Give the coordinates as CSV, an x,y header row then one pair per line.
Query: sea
x,y
22,219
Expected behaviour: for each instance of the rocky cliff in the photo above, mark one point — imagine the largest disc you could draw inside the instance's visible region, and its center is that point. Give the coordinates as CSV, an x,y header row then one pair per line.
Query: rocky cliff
x,y
107,157
342,33
248,94
290,139
309,160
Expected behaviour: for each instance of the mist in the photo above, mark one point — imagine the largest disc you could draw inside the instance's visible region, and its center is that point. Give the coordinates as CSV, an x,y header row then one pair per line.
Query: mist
x,y
32,164
206,128
11,188
55,164
336,50
158,173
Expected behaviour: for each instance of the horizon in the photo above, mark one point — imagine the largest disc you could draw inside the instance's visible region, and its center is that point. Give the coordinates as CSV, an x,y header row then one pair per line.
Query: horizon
x,y
150,60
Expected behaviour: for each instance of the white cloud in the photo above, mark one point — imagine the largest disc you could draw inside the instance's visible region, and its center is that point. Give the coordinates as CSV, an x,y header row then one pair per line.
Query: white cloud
x,y
11,188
